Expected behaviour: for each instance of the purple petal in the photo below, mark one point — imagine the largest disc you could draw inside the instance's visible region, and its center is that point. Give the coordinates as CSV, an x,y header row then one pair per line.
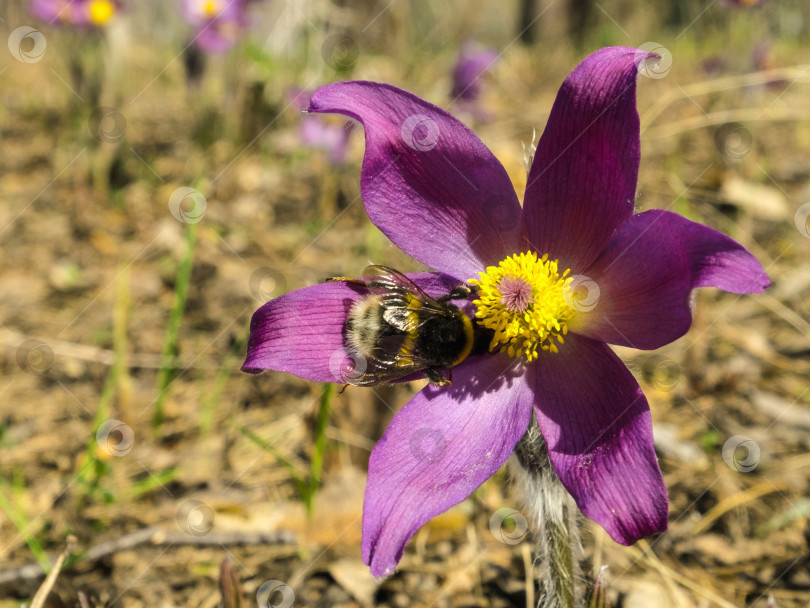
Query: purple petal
x,y
427,181
472,63
301,332
217,36
582,183
75,12
218,31
437,450
48,10
332,138
596,423
197,12
743,3
298,98
647,272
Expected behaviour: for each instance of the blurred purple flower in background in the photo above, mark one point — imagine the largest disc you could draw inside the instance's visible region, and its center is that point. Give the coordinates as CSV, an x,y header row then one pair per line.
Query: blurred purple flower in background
x,y
743,3
762,56
219,23
714,65
317,134
473,62
559,279
763,60
75,12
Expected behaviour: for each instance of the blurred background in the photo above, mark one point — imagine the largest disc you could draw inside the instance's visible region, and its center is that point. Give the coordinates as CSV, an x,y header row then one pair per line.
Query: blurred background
x,y
158,183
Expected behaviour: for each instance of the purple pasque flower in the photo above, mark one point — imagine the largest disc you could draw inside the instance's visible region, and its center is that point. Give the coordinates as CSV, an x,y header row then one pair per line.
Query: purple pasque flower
x,y
743,3
472,63
763,60
75,12
219,23
317,134
597,273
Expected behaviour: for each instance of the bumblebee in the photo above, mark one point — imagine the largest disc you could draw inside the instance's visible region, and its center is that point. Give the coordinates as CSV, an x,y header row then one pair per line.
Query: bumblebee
x,y
398,329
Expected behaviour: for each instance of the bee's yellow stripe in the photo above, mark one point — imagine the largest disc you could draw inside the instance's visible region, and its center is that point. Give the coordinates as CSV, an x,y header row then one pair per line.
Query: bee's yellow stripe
x,y
414,304
468,333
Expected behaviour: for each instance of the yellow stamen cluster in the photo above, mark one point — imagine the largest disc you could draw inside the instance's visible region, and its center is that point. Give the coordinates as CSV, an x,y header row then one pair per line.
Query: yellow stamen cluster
x,y
101,11
523,301
210,8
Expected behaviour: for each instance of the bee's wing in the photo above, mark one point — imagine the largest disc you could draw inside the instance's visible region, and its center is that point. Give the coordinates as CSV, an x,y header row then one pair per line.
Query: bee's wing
x,y
405,305
392,358
382,280
379,372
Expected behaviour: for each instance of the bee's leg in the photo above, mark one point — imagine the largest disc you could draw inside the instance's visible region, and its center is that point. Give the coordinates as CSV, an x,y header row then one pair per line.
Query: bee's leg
x,y
458,293
436,378
346,280
343,388
462,292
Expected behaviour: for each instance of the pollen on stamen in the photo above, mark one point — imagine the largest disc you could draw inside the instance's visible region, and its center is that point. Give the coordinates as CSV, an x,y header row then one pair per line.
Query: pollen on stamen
x,y
516,294
523,301
101,11
210,9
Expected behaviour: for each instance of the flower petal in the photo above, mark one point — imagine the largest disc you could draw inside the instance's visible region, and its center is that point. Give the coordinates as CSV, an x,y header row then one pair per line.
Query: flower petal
x,y
472,63
437,450
646,273
332,138
582,183
427,181
301,332
216,36
596,423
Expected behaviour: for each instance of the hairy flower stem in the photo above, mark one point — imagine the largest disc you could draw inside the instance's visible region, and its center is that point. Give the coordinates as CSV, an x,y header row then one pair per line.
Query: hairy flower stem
x,y
554,518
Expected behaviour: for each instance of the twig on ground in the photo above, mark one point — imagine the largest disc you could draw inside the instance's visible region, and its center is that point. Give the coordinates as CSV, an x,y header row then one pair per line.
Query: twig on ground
x,y
45,589
158,538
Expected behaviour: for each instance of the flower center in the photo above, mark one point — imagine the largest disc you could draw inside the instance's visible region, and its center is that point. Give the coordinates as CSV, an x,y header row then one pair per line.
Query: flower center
x,y
523,300
101,11
210,9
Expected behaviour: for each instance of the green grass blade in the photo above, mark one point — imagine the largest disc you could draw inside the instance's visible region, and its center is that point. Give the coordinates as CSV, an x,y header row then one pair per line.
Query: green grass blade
x,y
17,517
320,444
167,366
210,403
117,381
300,484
